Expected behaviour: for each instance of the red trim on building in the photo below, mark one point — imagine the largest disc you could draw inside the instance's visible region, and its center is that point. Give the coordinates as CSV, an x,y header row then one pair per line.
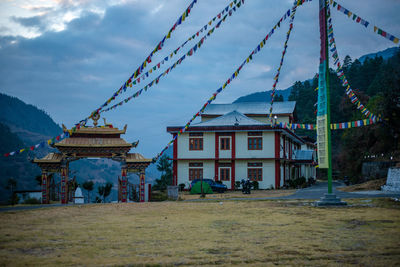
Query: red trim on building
x,y
225,159
216,170
277,159
216,146
175,162
176,129
233,173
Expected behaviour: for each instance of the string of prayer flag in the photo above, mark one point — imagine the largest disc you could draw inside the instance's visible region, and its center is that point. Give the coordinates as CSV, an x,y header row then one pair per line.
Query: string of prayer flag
x,y
233,76
168,70
340,73
334,126
41,144
363,22
136,79
276,78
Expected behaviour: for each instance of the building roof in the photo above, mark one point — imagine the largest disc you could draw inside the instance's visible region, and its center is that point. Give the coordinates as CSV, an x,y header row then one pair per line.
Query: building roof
x,y
248,108
50,158
93,142
100,130
303,154
136,157
233,118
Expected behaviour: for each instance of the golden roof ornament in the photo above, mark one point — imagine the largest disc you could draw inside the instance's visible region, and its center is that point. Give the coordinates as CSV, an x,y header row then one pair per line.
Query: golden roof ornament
x,y
95,118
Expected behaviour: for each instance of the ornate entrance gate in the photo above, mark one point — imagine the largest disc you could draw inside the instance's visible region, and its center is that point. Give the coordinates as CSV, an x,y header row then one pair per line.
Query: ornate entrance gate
x,y
95,142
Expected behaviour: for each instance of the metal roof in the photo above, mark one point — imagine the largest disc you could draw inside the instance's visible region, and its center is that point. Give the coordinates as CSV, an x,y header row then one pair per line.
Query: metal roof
x,y
233,118
247,108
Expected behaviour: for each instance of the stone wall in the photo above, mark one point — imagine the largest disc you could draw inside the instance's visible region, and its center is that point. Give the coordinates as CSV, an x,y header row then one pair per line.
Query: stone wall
x,y
393,180
376,169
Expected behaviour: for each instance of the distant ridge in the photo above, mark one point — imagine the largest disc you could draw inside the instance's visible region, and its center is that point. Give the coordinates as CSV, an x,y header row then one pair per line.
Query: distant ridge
x,y
266,95
385,54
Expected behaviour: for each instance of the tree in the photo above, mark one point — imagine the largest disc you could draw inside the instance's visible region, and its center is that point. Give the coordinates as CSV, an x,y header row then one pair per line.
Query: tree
x,y
11,185
105,190
165,167
278,98
88,186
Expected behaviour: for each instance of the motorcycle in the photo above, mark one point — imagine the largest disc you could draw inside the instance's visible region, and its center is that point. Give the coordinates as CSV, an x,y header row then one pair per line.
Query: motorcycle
x,y
246,186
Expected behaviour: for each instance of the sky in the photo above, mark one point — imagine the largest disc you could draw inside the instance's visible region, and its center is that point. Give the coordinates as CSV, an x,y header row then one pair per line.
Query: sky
x,y
68,57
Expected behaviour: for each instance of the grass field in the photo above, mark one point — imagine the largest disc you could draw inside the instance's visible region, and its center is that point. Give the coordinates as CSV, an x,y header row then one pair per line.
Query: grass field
x,y
366,233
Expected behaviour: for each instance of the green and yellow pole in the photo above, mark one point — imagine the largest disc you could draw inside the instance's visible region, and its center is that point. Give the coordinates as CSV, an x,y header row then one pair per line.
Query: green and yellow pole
x,y
323,115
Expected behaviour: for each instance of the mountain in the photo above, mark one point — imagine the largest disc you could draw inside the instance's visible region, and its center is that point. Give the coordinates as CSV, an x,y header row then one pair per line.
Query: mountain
x,y
266,95
263,96
385,54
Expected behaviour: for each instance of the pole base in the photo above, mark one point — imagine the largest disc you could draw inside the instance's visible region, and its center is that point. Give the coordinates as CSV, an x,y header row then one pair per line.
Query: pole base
x,y
330,200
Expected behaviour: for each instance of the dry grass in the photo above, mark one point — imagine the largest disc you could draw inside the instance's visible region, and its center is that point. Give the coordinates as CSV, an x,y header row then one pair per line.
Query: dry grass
x,y
263,233
238,194
370,185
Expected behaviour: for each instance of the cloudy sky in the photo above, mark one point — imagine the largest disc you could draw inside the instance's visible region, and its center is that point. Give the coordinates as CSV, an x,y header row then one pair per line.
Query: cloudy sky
x,y
67,57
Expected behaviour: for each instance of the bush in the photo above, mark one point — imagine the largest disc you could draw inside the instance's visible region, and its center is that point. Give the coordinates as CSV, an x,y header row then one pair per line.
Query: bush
x,y
32,201
311,181
158,196
298,182
181,187
255,185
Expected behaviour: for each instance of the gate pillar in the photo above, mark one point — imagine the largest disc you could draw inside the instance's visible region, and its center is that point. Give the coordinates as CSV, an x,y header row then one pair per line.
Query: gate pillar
x,y
142,184
45,188
64,184
124,183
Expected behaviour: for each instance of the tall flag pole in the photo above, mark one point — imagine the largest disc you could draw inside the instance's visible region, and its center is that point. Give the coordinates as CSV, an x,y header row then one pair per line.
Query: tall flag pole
x,y
323,114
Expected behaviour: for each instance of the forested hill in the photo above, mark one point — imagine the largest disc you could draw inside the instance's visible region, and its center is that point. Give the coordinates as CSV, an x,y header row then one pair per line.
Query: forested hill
x,y
376,82
26,120
283,95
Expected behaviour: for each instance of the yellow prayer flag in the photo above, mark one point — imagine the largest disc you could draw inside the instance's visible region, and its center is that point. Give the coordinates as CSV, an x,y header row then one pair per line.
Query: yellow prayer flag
x,y
375,28
396,40
365,122
231,4
209,23
22,150
169,35
49,141
183,16
261,44
223,86
151,70
247,60
349,14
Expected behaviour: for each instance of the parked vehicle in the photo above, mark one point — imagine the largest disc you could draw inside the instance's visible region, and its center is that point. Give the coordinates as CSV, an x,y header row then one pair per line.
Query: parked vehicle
x,y
216,187
246,186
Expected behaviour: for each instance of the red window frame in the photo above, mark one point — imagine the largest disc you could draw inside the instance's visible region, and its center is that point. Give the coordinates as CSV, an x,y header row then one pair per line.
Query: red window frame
x,y
254,174
225,143
225,174
195,173
254,143
195,143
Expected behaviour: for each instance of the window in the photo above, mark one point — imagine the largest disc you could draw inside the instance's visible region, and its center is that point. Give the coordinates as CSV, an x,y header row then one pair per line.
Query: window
x,y
254,143
195,143
225,143
224,174
254,171
195,170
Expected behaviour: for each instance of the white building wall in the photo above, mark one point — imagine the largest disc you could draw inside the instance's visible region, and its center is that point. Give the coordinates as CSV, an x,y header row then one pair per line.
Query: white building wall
x,y
268,172
268,146
208,147
183,171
